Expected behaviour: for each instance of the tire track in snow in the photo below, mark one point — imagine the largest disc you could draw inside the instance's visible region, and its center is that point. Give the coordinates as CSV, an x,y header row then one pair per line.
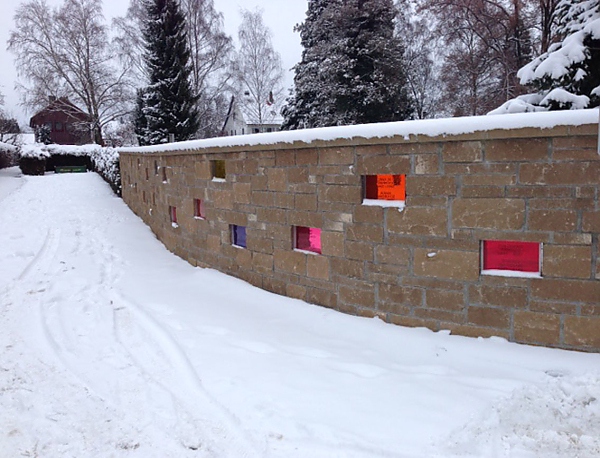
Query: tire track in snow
x,y
223,429
73,325
39,263
201,422
46,253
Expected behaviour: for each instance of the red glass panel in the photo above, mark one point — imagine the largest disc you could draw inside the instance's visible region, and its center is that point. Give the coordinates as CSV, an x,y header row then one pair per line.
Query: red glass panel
x,y
199,208
308,238
510,255
371,187
385,187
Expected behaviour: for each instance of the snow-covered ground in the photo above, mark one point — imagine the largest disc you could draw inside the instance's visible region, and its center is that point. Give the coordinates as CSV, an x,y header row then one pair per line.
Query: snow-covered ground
x,y
110,346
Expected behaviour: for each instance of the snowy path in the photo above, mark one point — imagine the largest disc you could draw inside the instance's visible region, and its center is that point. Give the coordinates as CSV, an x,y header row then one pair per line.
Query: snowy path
x,y
111,346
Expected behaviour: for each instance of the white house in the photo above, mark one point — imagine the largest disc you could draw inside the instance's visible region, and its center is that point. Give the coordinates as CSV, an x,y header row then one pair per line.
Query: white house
x,y
241,121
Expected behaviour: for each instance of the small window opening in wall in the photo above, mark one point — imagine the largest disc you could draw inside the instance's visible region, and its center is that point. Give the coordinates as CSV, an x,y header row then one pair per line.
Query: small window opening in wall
x,y
139,162
384,190
238,235
147,176
155,167
199,208
307,239
173,215
218,169
511,258
153,199
164,174
144,196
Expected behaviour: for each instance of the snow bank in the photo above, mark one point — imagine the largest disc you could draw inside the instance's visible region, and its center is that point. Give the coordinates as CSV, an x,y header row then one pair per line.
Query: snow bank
x,y
406,129
558,419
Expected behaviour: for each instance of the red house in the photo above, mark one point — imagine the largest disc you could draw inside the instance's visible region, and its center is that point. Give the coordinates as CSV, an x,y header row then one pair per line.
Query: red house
x,y
68,125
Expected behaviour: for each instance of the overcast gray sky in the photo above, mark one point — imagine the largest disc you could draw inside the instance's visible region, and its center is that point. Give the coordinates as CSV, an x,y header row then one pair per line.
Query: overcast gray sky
x,y
279,15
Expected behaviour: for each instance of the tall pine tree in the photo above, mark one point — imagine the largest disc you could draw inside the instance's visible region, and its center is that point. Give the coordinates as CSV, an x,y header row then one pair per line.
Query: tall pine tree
x,y
140,123
351,70
168,101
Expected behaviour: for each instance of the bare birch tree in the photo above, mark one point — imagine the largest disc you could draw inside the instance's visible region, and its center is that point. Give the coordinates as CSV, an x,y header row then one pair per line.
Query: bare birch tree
x,y
422,61
65,52
257,70
487,42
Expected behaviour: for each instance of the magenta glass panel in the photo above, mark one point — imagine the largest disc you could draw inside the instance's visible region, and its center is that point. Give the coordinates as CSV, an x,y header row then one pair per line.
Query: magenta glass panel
x,y
308,238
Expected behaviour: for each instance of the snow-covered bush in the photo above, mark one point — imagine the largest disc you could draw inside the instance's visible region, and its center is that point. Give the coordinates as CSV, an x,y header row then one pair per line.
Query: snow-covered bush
x,y
32,159
8,155
34,151
567,76
103,160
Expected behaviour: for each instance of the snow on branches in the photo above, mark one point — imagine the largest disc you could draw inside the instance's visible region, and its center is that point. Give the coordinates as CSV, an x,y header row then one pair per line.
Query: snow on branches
x,y
567,76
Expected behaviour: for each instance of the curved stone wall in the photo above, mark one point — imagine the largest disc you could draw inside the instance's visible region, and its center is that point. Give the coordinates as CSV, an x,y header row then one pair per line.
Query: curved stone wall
x,y
420,265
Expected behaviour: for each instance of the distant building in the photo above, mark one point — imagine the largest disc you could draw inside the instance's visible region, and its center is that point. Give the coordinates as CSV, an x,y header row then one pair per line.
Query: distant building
x,y
241,122
67,124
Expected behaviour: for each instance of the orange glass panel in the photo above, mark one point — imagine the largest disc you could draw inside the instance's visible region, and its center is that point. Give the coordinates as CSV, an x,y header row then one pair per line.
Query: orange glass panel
x,y
385,187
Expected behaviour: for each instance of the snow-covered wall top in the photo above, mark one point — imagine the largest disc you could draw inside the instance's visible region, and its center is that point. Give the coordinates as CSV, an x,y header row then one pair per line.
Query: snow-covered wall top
x,y
405,129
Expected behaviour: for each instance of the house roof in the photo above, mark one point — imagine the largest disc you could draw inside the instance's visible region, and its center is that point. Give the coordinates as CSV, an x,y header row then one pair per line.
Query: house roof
x,y
59,105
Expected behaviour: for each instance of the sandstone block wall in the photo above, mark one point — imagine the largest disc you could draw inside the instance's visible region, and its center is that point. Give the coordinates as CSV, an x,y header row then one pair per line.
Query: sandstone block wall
x,y
417,267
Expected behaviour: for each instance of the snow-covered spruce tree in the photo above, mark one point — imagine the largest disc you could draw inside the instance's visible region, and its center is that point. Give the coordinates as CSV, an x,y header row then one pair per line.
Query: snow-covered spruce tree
x,y
169,102
42,134
567,76
351,70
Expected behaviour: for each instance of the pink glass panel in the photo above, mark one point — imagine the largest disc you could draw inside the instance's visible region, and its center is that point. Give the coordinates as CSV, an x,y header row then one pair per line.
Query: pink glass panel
x,y
308,238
